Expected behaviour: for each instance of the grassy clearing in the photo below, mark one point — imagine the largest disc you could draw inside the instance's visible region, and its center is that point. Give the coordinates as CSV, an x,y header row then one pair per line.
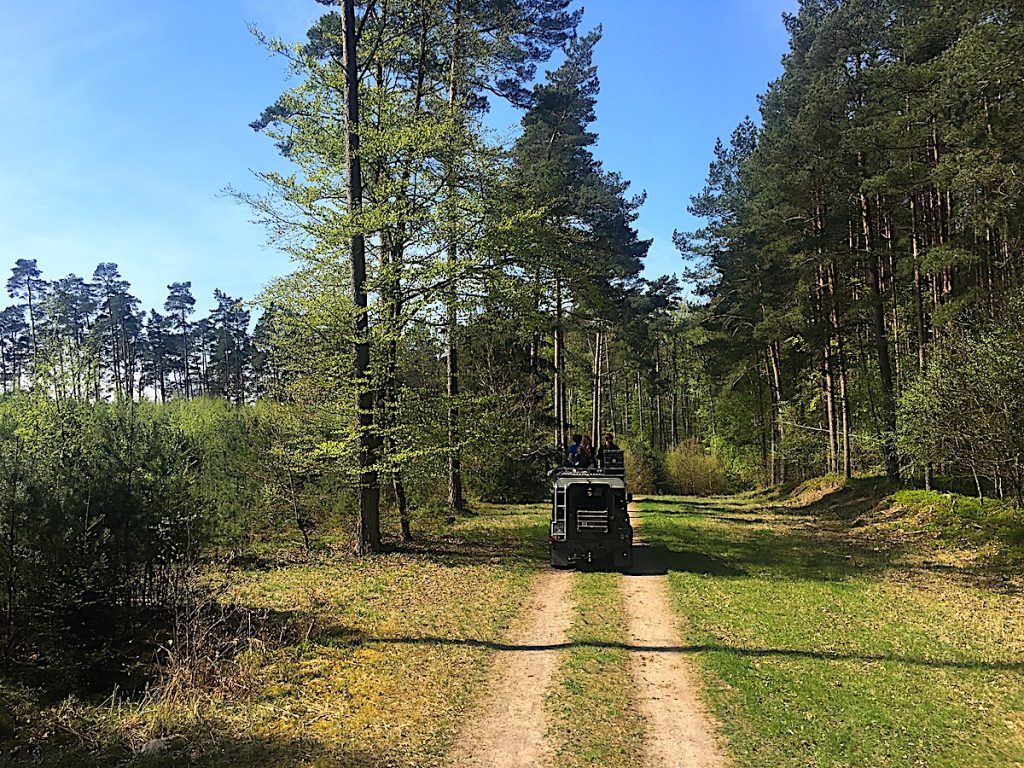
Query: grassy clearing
x,y
373,663
828,643
594,718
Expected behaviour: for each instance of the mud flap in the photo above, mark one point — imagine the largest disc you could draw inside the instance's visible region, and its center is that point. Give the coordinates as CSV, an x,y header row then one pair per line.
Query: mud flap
x,y
559,557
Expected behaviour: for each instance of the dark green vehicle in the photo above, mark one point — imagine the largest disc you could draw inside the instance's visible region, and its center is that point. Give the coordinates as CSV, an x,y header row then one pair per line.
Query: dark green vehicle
x,y
589,518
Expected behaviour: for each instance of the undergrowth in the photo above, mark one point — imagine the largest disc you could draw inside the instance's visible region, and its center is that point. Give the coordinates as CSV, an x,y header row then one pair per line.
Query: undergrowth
x,y
315,660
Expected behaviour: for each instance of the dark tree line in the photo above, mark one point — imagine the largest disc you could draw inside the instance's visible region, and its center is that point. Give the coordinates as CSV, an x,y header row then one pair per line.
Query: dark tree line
x,y
90,340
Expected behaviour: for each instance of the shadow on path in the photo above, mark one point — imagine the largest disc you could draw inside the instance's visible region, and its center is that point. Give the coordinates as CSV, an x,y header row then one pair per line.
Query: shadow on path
x,y
829,656
657,560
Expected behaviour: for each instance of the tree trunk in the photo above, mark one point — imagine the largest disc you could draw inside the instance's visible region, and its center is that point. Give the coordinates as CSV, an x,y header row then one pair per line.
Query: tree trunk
x,y
456,504
922,332
640,409
840,361
561,417
675,391
888,405
611,385
657,395
595,384
368,537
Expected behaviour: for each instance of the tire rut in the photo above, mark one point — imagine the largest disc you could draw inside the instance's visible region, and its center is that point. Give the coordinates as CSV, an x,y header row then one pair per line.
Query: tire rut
x,y
508,729
680,732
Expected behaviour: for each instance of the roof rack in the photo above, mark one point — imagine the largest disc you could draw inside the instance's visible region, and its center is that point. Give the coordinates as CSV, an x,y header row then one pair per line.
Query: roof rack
x,y
589,472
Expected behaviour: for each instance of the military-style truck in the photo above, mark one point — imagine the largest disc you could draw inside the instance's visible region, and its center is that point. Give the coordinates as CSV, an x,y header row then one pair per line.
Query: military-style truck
x,y
590,525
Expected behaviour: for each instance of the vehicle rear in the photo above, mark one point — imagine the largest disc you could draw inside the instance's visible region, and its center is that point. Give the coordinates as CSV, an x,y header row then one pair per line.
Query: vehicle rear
x,y
590,524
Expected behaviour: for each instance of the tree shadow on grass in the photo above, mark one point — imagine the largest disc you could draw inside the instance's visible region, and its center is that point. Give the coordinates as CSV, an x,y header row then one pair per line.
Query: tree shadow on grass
x,y
727,507
657,560
785,550
523,542
1016,665
201,751
737,543
825,539
205,747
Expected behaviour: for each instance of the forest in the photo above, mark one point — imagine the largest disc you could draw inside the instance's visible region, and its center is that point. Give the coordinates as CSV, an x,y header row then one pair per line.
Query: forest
x,y
461,304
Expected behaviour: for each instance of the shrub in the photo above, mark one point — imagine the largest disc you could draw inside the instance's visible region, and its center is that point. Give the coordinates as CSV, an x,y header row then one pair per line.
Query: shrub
x,y
105,508
503,464
690,470
643,468
967,411
100,510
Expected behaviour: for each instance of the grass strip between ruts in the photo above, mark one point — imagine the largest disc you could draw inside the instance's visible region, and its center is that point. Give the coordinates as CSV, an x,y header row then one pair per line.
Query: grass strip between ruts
x,y
592,706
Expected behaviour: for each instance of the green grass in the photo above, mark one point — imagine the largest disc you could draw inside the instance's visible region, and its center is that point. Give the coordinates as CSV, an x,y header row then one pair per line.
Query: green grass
x,y
993,531
594,717
824,646
361,662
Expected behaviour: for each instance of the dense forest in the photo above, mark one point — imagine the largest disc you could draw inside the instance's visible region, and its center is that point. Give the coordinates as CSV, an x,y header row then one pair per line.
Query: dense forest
x,y
461,305
862,255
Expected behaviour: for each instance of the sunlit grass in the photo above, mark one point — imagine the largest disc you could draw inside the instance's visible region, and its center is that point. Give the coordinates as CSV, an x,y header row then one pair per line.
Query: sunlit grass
x,y
822,648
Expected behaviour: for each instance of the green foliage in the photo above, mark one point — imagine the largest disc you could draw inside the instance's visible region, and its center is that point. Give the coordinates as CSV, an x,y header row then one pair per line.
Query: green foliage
x,y
100,509
964,521
107,504
844,238
502,461
967,411
644,468
690,470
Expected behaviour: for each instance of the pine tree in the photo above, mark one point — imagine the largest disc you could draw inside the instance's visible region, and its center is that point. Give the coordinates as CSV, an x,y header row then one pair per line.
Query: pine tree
x,y
179,306
26,283
117,330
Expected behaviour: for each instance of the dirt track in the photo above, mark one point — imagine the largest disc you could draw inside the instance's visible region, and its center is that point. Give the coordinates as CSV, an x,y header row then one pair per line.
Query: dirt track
x,y
508,730
680,731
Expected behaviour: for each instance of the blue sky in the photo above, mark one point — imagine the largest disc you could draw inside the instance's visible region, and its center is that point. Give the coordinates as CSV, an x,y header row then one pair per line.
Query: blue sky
x,y
125,120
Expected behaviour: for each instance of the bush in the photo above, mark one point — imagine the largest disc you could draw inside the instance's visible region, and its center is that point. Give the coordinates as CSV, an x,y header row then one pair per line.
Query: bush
x,y
99,512
505,467
643,469
967,411
690,470
105,508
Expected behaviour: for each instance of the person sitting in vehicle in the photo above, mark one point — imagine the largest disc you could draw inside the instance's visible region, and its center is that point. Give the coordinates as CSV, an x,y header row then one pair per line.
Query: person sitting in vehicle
x,y
585,454
571,461
607,444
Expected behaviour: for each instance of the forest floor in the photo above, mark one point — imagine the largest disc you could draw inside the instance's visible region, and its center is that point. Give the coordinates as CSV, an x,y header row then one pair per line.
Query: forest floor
x,y
821,629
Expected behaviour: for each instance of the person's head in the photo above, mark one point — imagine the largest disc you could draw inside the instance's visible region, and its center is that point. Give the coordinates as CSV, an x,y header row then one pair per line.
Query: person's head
x,y
586,441
577,438
609,438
